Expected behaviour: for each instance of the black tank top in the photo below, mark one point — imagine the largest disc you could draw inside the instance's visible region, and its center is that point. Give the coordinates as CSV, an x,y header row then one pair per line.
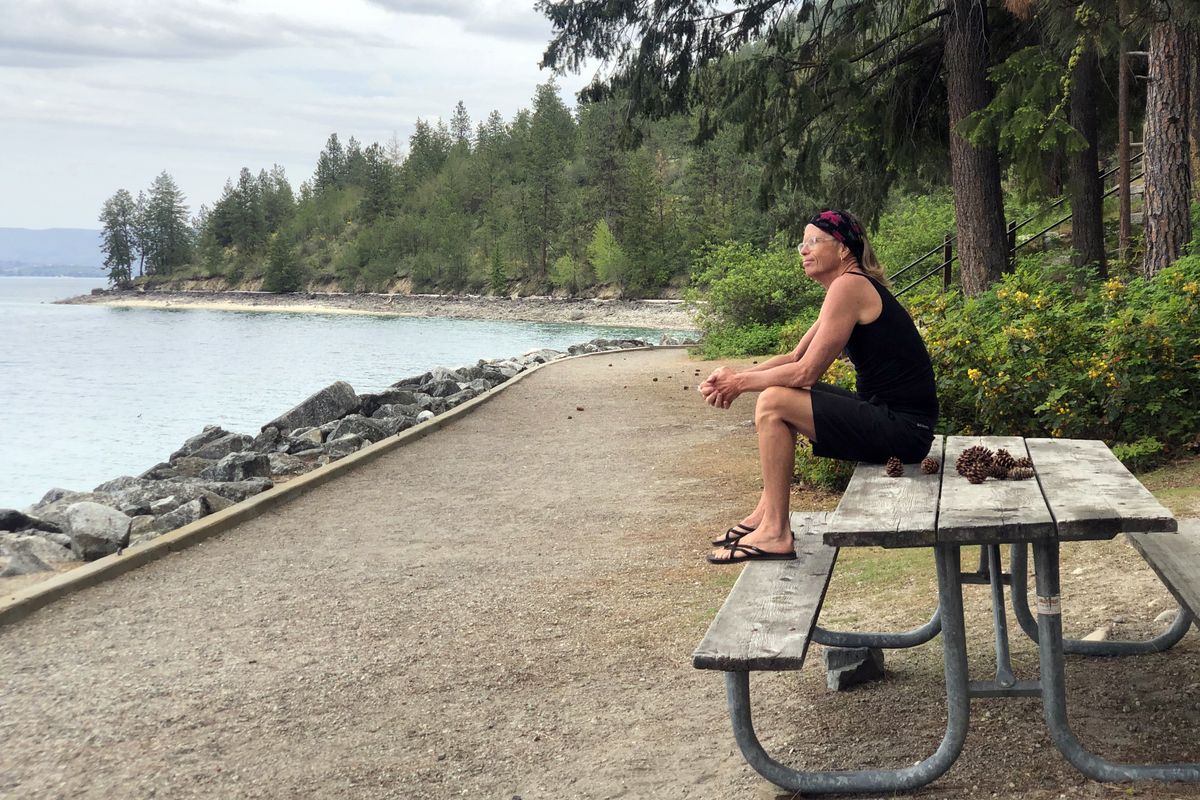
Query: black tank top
x,y
891,361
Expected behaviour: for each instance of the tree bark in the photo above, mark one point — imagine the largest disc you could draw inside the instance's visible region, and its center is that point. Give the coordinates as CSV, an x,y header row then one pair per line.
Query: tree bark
x,y
1125,209
1194,106
1087,225
1168,171
975,171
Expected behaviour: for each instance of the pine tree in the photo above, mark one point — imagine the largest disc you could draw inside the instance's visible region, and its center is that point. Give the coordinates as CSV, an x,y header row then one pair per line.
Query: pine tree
x,y
118,220
283,272
460,126
165,229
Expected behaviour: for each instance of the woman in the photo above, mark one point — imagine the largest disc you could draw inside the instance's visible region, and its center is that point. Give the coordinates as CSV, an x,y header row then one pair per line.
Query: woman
x,y
893,413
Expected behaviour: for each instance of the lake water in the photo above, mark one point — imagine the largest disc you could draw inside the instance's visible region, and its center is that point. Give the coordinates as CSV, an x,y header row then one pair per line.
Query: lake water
x,y
88,393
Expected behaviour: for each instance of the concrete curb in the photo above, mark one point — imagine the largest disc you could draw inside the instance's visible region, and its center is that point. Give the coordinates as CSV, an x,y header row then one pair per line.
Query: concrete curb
x,y
21,604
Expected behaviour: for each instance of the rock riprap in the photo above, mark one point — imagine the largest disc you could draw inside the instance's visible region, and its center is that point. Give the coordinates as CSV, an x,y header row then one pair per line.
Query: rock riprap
x,y
216,468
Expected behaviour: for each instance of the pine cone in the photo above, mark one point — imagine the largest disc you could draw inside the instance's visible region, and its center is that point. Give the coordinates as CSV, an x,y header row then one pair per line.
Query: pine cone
x,y
894,468
1024,461
1020,473
930,466
1002,462
978,471
973,454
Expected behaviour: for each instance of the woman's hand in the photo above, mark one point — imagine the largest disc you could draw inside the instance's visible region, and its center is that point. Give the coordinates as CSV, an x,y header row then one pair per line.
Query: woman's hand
x,y
721,388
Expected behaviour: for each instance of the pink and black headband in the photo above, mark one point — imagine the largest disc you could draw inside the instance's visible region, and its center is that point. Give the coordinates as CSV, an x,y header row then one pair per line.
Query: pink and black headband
x,y
843,228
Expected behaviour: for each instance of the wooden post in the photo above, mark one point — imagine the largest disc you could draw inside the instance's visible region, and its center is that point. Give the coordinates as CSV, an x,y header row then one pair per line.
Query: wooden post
x,y
1125,213
947,254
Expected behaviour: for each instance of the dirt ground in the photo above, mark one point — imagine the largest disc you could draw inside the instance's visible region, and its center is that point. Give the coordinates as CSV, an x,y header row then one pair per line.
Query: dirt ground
x,y
507,609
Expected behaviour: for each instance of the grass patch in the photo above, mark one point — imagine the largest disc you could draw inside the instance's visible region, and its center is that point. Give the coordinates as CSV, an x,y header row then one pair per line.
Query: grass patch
x,y
880,568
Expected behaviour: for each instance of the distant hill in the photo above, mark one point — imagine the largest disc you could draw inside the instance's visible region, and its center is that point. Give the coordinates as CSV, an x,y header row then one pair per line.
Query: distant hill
x,y
53,251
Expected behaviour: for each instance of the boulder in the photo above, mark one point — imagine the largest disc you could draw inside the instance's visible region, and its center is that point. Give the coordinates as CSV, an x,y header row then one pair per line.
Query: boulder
x,y
394,425
22,562
481,385
333,402
142,529
396,410
239,467
236,491
369,404
286,464
340,448
186,493
850,666
184,515
120,484
459,398
190,466
160,472
440,388
435,404
444,374
13,520
358,425
37,546
540,356
210,434
96,530
267,441
219,448
425,416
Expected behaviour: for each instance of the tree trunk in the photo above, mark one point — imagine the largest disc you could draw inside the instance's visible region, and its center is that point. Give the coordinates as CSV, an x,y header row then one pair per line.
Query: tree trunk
x,y
1168,172
1087,225
1124,204
975,171
1194,106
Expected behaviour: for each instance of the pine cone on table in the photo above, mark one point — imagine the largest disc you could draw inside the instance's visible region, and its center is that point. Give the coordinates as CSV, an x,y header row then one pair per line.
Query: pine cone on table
x,y
1024,461
930,466
973,454
894,468
978,471
1020,473
1002,462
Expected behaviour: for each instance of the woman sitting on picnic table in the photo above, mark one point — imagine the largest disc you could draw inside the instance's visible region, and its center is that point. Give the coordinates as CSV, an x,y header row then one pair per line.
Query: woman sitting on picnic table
x,y
893,413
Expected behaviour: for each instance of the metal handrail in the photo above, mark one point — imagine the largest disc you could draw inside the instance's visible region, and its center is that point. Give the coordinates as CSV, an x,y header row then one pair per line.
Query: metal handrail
x,y
1012,231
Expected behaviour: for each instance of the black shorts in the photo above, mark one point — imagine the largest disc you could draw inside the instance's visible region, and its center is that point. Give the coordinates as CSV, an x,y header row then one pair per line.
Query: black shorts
x,y
854,429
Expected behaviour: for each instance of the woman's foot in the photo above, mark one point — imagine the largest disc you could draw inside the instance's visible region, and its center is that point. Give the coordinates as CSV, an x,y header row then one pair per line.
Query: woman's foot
x,y
765,543
733,534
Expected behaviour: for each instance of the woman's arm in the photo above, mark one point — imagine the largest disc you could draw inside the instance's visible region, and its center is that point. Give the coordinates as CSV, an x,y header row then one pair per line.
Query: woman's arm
x,y
840,312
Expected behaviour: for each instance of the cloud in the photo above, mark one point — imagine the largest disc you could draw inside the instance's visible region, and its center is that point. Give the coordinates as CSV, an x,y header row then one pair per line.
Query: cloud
x,y
55,33
493,18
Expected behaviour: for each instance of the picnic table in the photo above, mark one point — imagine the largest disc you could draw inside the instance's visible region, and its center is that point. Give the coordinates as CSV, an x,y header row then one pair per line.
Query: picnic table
x,y
1080,492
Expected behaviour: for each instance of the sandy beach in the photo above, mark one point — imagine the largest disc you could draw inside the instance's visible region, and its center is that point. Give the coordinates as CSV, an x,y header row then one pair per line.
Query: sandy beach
x,y
669,314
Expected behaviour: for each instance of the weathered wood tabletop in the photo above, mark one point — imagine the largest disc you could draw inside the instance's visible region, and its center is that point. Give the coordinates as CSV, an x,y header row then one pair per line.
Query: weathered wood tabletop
x,y
1080,491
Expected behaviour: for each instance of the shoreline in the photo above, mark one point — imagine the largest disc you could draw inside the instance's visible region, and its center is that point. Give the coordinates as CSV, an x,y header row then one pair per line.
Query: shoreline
x,y
664,314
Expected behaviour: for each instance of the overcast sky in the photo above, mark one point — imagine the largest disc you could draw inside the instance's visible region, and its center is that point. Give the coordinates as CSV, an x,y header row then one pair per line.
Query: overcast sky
x,y
98,95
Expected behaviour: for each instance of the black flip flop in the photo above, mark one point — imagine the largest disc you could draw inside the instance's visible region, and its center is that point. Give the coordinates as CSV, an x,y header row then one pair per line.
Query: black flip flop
x,y
732,535
752,554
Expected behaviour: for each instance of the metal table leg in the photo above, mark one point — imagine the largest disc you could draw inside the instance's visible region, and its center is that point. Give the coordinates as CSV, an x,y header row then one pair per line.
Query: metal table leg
x,y
1054,703
737,685
1018,566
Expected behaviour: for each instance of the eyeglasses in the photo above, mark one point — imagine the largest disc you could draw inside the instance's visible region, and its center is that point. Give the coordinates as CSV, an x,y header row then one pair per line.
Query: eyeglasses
x,y
811,243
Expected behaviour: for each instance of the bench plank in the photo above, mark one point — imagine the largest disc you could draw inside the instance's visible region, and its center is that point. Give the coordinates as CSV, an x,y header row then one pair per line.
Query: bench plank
x,y
992,511
766,621
880,511
1176,560
1090,492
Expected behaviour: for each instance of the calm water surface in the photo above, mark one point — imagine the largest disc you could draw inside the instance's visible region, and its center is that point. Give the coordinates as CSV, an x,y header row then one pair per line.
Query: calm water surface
x,y
88,393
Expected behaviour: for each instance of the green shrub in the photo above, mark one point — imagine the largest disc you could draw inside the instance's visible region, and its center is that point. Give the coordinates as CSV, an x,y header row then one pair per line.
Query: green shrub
x,y
1050,352
1141,455
750,340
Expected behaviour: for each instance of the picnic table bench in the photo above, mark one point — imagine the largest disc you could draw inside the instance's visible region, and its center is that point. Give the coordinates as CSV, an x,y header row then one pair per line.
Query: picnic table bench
x,y
1081,492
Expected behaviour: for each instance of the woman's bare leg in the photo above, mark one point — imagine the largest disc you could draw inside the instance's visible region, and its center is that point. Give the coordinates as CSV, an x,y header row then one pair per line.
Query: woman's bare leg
x,y
779,415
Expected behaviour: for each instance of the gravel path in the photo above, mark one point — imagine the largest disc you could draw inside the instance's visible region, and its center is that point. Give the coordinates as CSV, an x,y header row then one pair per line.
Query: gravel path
x,y
507,609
